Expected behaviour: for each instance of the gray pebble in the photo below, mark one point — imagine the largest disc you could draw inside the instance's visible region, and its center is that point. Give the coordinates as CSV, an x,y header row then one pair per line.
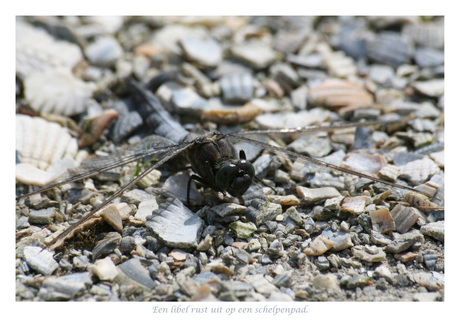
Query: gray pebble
x,y
40,260
42,216
434,229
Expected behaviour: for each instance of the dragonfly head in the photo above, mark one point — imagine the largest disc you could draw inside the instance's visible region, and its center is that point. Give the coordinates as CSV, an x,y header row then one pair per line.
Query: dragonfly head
x,y
235,178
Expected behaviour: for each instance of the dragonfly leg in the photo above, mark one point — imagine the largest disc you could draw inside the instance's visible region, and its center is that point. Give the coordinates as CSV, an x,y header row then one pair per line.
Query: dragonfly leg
x,y
195,178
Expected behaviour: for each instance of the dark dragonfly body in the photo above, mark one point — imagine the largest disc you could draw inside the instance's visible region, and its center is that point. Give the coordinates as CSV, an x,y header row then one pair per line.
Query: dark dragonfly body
x,y
213,158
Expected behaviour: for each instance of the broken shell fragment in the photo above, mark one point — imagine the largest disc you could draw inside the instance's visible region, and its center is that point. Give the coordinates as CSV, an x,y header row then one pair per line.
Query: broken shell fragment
x,y
405,217
319,246
311,195
107,245
369,253
354,205
112,215
389,172
365,163
340,94
237,87
94,127
419,171
104,269
231,115
420,201
382,220
204,51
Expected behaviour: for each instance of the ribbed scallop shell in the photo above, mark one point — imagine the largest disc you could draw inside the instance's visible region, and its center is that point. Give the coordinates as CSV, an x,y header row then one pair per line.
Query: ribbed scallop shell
x,y
42,143
337,94
36,51
57,91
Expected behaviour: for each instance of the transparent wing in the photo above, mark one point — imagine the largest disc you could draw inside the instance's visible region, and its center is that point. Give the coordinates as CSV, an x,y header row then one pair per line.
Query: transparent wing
x,y
315,161
150,146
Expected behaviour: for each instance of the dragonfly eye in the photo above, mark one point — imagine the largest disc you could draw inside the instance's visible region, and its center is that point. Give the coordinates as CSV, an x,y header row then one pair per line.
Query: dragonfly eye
x,y
235,178
225,175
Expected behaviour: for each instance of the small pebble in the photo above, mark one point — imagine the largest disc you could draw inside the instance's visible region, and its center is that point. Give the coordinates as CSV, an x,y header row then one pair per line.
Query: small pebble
x,y
40,260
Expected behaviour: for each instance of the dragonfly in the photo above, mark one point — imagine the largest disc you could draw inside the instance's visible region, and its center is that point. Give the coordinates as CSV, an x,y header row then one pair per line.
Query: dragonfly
x,y
215,161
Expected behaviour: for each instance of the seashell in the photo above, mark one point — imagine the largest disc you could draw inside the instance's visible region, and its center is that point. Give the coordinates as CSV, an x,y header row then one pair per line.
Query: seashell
x,y
260,284
431,88
382,220
167,38
107,245
405,217
104,51
125,125
339,65
290,119
134,269
319,246
369,253
426,34
175,224
255,54
420,201
205,87
227,209
177,186
178,255
427,57
185,100
45,150
94,127
382,74
104,269
289,41
285,76
299,97
340,94
390,48
311,195
342,240
325,281
112,215
57,91
438,157
37,51
389,172
313,145
222,114
314,60
434,229
419,171
365,163
351,39
204,51
354,205
237,87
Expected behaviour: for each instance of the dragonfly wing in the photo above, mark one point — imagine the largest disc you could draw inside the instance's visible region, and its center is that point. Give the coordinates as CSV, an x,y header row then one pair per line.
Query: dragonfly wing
x,y
151,146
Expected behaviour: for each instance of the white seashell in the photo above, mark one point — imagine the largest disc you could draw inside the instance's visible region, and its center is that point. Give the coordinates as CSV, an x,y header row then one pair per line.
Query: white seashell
x,y
419,171
340,65
45,150
105,51
37,51
57,91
